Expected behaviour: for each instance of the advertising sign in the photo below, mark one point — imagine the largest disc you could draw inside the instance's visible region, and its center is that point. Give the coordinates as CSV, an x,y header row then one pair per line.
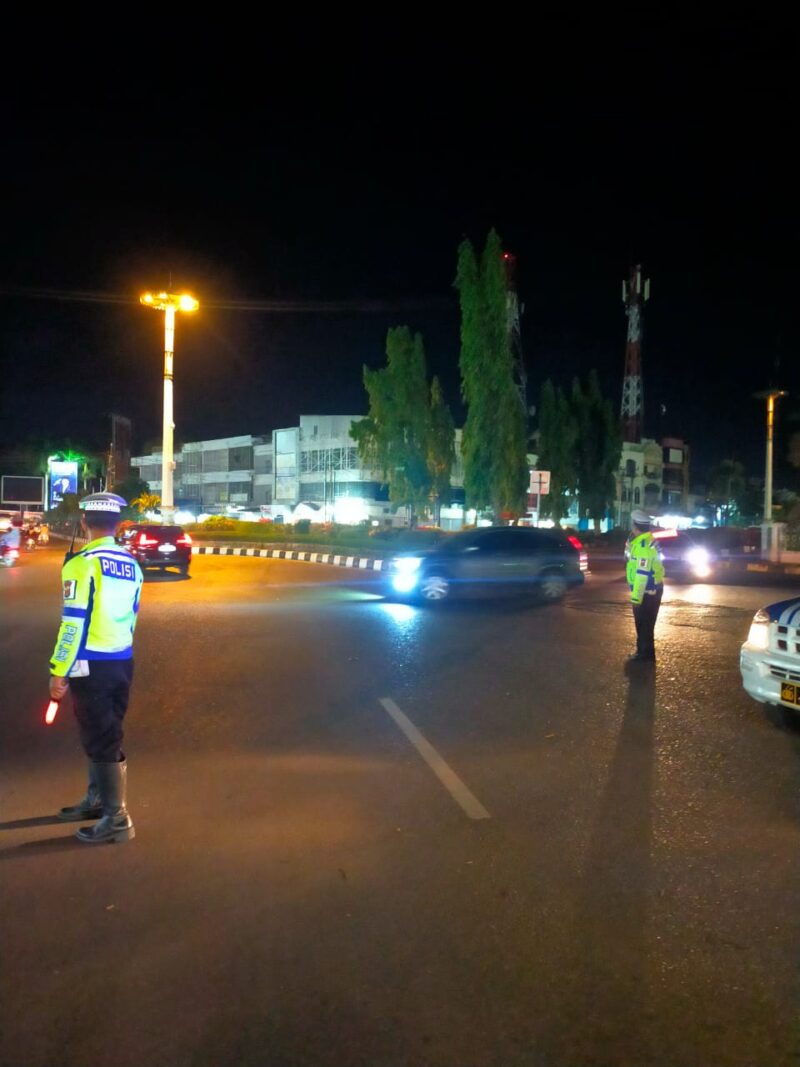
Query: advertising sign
x,y
16,489
63,479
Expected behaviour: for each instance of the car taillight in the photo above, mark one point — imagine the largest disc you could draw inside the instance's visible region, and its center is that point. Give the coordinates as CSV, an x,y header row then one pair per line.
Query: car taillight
x,y
147,542
573,540
184,539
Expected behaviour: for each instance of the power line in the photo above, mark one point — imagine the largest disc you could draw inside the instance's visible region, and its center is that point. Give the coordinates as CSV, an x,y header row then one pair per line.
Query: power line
x,y
260,306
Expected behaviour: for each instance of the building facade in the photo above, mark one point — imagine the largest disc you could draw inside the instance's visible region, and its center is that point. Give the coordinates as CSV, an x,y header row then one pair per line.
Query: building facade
x,y
313,465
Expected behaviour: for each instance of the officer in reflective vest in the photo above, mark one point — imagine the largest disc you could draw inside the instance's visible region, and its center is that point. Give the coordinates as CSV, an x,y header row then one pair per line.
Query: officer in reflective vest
x,y
645,574
93,658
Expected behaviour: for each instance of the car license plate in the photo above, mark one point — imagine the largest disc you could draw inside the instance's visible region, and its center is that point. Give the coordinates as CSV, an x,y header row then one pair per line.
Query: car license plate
x,y
166,548
790,693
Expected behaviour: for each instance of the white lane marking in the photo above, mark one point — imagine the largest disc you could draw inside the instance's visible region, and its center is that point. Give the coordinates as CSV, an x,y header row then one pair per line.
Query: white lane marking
x,y
446,775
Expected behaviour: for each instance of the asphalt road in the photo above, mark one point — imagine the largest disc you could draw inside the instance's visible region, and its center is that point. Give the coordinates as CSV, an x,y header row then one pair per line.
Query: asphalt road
x,y
373,834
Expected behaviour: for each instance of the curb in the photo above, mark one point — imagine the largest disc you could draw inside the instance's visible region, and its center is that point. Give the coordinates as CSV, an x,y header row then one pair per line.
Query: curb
x,y
363,563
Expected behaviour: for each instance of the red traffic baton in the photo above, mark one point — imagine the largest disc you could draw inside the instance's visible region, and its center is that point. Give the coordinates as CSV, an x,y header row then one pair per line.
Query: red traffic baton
x,y
52,711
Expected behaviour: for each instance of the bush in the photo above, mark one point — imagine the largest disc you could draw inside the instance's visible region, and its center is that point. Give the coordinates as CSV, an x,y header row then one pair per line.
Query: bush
x,y
220,522
303,526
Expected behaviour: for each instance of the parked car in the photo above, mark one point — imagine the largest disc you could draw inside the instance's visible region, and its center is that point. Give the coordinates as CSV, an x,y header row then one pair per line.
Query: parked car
x,y
490,560
769,660
157,546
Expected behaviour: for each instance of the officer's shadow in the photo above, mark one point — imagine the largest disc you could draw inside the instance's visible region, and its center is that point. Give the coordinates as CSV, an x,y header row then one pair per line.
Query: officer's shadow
x,y
613,908
66,840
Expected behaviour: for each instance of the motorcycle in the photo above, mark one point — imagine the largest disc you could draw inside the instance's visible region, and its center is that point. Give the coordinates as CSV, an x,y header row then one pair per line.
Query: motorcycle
x,y
8,556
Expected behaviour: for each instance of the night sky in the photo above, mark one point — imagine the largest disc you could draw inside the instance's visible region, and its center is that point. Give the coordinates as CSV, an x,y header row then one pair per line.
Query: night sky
x,y
333,169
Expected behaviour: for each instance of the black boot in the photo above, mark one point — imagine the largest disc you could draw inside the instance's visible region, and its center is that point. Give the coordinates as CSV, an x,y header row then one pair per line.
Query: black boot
x,y
89,806
116,823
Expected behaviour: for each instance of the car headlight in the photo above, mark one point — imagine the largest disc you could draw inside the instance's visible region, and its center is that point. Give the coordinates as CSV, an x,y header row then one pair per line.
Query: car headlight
x,y
405,573
406,564
758,637
698,557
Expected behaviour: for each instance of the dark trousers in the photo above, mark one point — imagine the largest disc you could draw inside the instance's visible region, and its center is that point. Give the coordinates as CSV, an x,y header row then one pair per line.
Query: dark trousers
x,y
645,615
100,701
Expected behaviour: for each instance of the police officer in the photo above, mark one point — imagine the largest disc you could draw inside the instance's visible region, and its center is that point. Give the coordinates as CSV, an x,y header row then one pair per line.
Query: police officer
x,y
93,658
645,574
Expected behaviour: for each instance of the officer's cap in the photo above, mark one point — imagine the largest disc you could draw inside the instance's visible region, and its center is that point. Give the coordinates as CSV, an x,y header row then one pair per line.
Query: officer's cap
x,y
107,502
641,518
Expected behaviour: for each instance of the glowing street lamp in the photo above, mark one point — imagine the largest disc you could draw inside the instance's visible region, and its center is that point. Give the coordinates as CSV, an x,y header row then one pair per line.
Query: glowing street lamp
x,y
770,395
169,303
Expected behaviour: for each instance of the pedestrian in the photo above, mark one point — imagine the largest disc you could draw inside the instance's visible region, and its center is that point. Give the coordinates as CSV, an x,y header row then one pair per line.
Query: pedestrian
x,y
645,574
93,658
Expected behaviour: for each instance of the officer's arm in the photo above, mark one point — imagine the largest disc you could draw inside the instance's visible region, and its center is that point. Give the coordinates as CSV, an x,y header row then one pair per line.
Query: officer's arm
x,y
640,577
77,581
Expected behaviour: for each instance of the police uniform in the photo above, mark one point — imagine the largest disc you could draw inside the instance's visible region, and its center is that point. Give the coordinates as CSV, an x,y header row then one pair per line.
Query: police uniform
x,y
645,574
101,587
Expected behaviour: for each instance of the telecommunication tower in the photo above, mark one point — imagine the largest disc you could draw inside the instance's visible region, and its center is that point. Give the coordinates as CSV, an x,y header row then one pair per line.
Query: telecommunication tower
x,y
635,293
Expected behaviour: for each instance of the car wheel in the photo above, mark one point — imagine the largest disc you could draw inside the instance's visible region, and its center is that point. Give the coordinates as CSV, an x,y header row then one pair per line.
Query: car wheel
x,y
553,587
184,570
434,587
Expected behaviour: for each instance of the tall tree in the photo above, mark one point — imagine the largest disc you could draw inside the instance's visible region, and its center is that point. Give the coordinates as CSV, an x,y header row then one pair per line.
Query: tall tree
x,y
441,449
494,437
394,437
558,434
598,448
726,486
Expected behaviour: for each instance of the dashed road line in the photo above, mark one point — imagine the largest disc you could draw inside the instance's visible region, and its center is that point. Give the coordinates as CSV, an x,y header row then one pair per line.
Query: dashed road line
x,y
466,800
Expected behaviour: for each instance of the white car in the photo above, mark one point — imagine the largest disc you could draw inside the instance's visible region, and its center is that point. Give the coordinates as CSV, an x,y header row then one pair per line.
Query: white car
x,y
769,659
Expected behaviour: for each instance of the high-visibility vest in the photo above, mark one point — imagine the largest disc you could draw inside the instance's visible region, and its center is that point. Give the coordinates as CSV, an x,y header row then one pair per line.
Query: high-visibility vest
x,y
101,587
645,569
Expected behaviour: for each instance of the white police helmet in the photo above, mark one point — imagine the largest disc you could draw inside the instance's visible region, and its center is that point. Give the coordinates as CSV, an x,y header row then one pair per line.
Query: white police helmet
x,y
641,518
105,502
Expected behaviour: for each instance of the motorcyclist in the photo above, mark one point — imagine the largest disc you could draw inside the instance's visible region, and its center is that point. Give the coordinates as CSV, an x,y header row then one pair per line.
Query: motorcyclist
x,y
33,533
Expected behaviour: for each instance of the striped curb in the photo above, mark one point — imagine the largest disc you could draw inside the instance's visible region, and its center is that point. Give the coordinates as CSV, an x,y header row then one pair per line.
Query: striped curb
x,y
358,562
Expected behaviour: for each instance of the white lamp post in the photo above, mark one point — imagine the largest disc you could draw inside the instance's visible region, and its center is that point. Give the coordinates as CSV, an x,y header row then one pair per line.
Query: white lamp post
x,y
770,395
169,303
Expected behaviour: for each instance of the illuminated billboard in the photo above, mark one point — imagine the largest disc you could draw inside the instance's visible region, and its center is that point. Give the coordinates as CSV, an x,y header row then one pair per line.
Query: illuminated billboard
x,y
63,478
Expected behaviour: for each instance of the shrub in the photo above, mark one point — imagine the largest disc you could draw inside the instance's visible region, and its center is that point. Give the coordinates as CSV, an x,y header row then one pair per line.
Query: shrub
x,y
219,522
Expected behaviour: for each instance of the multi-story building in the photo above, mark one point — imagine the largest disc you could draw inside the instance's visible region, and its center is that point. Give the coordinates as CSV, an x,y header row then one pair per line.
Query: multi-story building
x,y
639,478
675,495
315,464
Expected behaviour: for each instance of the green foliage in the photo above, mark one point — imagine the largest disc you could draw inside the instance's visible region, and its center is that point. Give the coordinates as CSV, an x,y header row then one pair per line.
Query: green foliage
x,y
494,437
66,513
598,448
303,526
558,434
404,433
441,447
219,522
131,487
145,502
726,488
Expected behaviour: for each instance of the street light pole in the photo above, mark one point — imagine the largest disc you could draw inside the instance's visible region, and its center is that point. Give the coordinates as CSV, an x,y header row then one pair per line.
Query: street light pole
x,y
169,303
770,395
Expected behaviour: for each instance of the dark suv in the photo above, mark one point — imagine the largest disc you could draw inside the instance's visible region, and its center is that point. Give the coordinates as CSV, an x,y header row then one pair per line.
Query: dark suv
x,y
158,546
489,561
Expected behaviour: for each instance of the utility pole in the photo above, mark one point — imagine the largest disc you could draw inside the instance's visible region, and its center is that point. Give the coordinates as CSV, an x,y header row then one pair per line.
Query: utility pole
x,y
635,293
770,395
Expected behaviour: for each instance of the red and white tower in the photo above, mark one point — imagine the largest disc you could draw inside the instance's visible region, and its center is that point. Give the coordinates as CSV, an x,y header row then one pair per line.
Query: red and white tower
x,y
635,293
